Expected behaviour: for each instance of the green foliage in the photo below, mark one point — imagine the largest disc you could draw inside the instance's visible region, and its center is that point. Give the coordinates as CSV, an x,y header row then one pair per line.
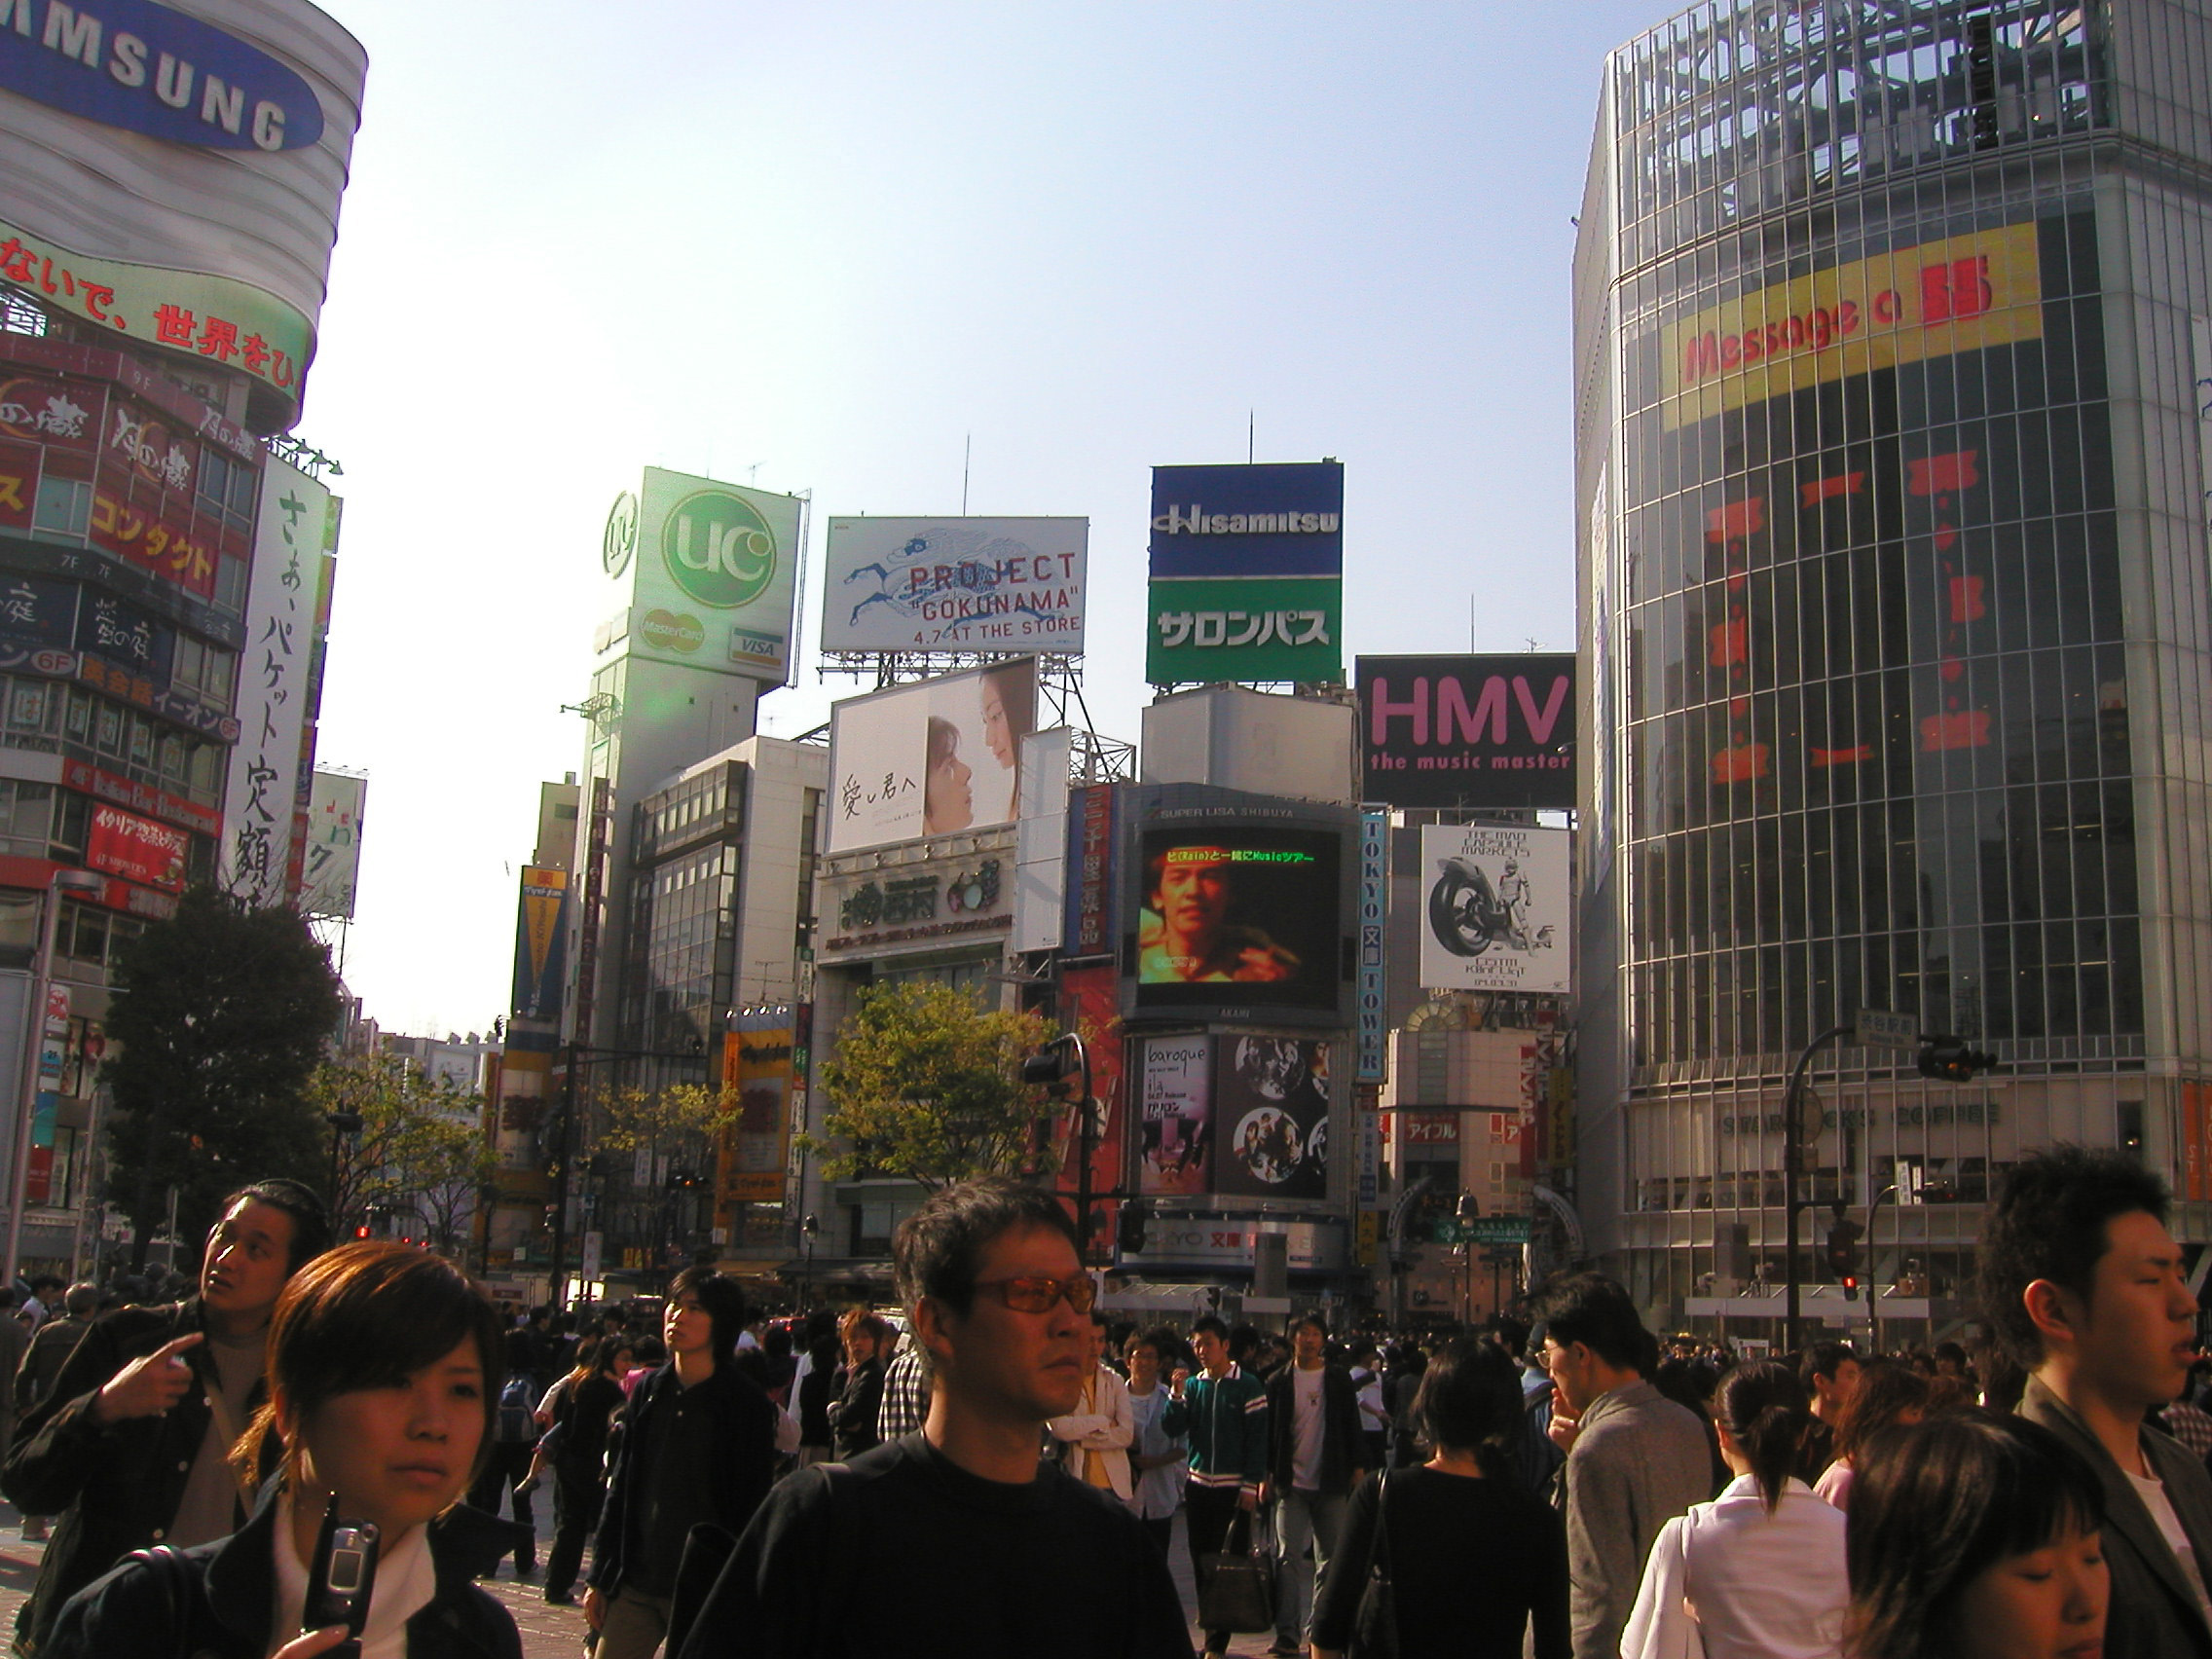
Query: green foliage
x,y
219,1016
927,1085
422,1150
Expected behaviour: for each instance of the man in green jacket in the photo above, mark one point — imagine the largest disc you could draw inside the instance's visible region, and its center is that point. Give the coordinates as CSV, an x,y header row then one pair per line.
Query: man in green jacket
x,y
2084,1286
1227,1415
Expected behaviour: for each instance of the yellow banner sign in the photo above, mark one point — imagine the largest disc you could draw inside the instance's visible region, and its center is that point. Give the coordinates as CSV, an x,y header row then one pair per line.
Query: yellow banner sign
x,y
1960,294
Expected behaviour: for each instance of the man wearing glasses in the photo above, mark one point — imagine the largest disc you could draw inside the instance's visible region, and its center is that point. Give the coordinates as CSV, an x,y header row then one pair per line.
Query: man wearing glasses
x,y
959,1535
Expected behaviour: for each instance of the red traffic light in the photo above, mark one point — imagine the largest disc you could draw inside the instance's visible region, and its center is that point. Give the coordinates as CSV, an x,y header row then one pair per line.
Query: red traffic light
x,y
1851,1287
360,1233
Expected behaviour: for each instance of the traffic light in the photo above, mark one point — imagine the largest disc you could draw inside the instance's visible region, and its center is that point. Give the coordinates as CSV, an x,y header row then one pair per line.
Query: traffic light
x,y
1948,1059
1851,1287
1130,1225
1047,1068
1843,1248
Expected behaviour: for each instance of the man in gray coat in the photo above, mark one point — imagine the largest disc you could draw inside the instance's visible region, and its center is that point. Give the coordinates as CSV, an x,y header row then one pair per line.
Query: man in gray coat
x,y
2084,1286
1635,1459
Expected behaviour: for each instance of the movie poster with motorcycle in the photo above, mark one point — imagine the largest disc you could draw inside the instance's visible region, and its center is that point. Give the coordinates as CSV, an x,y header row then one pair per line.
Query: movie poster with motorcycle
x,y
1496,913
1270,1116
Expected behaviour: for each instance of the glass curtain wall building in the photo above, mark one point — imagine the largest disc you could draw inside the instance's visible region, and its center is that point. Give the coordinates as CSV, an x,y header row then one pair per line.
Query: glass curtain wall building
x,y
1891,350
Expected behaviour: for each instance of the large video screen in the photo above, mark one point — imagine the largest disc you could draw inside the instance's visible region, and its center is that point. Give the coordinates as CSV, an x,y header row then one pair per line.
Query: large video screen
x,y
1238,914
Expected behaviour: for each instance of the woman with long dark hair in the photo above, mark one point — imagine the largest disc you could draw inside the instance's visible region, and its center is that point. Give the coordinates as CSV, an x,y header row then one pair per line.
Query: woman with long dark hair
x,y
383,1367
1472,1556
1757,1573
1975,1536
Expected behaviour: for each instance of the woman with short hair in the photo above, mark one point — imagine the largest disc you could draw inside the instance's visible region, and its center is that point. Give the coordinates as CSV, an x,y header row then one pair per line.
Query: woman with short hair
x,y
383,1365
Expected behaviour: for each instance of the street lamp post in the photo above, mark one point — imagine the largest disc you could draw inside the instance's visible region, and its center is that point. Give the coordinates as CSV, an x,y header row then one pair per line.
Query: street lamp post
x,y
1046,1067
1792,1150
34,1045
807,1228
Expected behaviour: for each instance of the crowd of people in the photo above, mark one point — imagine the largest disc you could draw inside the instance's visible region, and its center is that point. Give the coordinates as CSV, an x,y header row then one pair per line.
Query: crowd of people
x,y
999,1467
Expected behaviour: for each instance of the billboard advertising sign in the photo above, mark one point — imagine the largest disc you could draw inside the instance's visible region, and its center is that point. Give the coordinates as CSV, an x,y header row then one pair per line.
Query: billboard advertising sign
x,y
1496,912
174,174
965,584
757,1062
541,943
1177,1144
711,571
1278,520
931,758
1271,628
137,849
297,525
1092,998
333,866
1089,923
1270,1114
1238,911
1468,731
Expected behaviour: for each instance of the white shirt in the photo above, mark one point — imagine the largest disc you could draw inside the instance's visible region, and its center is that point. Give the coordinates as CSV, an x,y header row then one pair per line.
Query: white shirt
x,y
1751,1585
2153,1491
1306,1428
1106,1428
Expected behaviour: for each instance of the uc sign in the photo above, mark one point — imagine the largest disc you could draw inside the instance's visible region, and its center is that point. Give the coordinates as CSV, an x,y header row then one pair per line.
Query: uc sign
x,y
134,64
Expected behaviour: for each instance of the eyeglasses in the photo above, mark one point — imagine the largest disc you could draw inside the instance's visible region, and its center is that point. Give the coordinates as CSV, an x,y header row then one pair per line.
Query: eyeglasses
x,y
1037,1294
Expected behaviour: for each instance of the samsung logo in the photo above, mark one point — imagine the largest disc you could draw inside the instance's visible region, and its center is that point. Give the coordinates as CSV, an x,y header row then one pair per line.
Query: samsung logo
x,y
134,64
1195,520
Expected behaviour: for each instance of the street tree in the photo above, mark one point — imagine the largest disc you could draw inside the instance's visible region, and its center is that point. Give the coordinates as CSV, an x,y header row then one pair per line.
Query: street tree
x,y
927,1085
219,1017
421,1149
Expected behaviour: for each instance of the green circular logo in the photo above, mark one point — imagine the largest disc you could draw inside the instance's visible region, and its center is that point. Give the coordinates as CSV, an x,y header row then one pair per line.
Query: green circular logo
x,y
719,548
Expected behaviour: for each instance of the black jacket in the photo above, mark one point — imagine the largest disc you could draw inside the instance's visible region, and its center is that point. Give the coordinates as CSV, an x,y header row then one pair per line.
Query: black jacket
x,y
131,1613
742,1465
853,1413
1344,1447
116,1489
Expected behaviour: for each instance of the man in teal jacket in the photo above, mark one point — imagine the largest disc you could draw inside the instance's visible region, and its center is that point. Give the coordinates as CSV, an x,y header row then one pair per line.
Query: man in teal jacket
x,y
1226,1412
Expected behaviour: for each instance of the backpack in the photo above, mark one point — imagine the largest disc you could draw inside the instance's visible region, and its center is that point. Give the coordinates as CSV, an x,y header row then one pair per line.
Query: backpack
x,y
518,1417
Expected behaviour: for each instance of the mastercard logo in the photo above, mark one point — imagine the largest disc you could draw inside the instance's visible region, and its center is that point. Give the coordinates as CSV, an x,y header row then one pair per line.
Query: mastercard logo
x,y
666,631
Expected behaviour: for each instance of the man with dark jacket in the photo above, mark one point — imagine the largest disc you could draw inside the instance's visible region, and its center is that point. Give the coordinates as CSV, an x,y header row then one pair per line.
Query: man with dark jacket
x,y
50,1347
129,1447
2085,1287
1317,1455
697,1443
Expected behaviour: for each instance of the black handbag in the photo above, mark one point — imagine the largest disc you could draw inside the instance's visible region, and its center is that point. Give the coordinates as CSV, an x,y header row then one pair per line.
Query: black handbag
x,y
1375,1626
1236,1588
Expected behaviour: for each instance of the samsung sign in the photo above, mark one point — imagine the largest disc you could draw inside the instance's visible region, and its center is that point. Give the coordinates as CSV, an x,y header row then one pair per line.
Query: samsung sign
x,y
1248,521
133,64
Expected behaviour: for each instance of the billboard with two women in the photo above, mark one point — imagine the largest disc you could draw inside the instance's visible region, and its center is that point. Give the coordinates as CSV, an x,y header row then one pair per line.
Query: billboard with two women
x,y
929,758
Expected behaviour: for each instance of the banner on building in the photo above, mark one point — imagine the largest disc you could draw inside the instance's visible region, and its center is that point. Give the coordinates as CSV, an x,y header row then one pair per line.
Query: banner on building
x,y
290,537
541,936
1270,1114
1496,911
137,849
333,867
1092,1009
1177,1143
955,584
1372,1015
756,1060
711,573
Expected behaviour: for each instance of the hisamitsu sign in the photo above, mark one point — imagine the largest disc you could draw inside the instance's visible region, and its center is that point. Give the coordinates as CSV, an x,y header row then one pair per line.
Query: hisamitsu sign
x,y
1468,731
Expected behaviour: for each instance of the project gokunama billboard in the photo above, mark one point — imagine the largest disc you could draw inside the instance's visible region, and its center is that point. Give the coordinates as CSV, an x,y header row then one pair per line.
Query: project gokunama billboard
x,y
1467,731
175,171
955,584
1247,574
716,573
1496,908
931,758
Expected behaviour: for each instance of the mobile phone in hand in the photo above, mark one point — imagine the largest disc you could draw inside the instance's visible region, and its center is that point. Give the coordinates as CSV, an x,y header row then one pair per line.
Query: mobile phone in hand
x,y
342,1576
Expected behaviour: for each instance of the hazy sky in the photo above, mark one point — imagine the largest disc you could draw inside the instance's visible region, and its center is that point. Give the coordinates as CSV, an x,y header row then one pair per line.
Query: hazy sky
x,y
817,247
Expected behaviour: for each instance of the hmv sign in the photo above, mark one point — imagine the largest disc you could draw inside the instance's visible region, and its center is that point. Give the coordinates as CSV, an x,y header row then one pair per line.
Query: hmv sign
x,y
1468,731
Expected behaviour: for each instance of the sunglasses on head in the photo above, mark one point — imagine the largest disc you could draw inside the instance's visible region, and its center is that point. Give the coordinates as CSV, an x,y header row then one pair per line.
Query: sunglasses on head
x,y
1036,1294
